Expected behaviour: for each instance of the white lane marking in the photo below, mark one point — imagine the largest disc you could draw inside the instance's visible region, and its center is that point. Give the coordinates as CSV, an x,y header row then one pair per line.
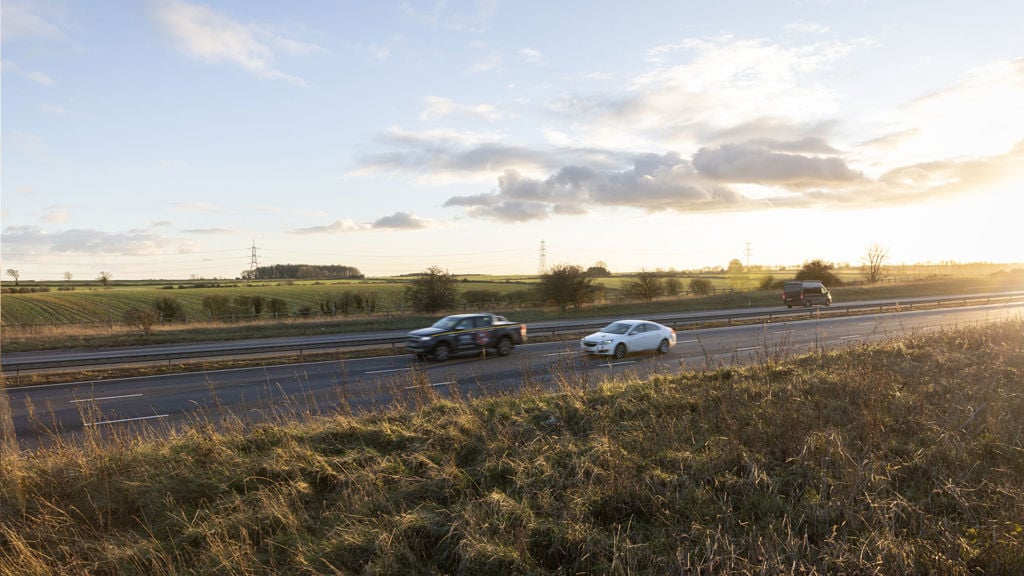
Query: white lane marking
x,y
107,398
748,349
426,385
560,354
610,364
388,371
851,337
126,420
687,341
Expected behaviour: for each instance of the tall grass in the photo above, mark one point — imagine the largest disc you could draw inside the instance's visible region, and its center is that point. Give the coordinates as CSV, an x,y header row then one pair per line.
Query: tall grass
x,y
899,458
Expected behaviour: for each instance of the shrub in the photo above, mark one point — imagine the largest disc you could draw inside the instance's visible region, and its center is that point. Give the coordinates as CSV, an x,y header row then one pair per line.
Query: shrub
x,y
141,318
168,309
700,286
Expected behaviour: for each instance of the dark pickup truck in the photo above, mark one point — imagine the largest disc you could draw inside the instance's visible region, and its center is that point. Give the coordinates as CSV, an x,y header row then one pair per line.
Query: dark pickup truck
x,y
463,333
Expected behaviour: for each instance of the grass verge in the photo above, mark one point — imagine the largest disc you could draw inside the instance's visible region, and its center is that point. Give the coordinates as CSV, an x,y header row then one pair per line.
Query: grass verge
x,y
905,457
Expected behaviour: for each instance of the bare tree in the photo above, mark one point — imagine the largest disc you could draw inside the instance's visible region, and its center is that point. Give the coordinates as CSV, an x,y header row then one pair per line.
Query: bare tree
x,y
105,278
874,262
432,291
646,286
566,284
13,273
68,276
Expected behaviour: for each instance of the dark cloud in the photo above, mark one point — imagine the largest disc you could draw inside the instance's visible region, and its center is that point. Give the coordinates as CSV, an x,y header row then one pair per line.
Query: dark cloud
x,y
757,163
417,152
655,183
401,221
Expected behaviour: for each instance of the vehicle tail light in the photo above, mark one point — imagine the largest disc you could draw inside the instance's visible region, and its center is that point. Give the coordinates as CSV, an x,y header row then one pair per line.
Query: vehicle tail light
x,y
522,331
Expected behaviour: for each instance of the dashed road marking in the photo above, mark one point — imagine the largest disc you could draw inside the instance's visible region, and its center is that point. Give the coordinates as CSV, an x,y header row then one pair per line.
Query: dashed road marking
x,y
106,398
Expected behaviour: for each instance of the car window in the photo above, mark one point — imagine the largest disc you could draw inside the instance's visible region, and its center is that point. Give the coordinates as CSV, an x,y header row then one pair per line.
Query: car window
x,y
616,328
464,324
483,322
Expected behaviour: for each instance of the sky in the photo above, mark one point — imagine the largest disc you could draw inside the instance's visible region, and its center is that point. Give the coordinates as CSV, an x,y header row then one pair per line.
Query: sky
x,y
189,139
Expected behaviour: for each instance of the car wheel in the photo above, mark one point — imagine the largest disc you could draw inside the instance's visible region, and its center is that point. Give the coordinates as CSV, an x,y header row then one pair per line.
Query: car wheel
x,y
620,351
442,352
663,346
504,347
807,304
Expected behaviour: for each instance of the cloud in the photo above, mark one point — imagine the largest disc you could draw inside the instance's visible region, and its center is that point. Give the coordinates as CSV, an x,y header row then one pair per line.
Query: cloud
x,y
209,36
336,227
447,153
210,231
531,55
25,20
436,107
401,221
655,183
982,114
35,76
452,16
56,215
758,163
35,241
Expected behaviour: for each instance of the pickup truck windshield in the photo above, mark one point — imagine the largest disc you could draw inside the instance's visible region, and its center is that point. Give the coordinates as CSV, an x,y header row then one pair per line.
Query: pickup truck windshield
x,y
446,323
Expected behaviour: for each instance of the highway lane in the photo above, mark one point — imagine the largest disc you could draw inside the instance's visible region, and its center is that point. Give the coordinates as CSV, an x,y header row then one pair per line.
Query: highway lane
x,y
258,394
296,344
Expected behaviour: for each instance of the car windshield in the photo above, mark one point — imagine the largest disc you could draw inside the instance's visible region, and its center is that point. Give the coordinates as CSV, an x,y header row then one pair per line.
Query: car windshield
x,y
617,328
446,323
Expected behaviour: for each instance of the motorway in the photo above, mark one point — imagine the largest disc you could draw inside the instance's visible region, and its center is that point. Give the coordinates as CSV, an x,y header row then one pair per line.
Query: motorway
x,y
48,360
251,395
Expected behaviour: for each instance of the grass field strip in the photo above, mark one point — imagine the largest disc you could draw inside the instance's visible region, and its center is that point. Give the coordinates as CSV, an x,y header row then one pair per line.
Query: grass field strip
x,y
107,398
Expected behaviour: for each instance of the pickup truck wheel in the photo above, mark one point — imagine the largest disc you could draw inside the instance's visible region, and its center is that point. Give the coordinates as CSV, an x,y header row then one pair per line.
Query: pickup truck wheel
x,y
620,351
504,346
441,352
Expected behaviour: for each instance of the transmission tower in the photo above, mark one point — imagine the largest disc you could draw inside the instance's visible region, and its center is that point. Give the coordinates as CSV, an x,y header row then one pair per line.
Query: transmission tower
x,y
252,262
748,252
543,268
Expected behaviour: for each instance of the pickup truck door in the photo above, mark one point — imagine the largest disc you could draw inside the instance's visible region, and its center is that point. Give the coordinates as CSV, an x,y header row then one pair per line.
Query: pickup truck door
x,y
465,334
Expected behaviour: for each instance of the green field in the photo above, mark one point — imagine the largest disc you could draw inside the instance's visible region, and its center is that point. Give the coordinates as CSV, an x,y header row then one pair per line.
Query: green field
x,y
93,316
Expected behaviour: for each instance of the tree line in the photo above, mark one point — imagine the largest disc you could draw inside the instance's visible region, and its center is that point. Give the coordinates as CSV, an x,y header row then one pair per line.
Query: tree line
x,y
302,272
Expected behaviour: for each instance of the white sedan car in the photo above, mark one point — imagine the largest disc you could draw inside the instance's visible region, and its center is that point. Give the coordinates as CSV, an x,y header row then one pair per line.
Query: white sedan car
x,y
626,336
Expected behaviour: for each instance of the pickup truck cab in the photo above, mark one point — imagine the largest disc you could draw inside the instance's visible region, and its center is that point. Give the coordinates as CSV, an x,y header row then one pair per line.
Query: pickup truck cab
x,y
465,333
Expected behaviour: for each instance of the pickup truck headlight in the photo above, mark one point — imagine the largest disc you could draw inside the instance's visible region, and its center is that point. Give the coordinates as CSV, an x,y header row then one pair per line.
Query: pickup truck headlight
x,y
424,338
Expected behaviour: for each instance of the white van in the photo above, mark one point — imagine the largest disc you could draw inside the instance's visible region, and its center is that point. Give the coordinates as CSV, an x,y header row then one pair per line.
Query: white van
x,y
805,293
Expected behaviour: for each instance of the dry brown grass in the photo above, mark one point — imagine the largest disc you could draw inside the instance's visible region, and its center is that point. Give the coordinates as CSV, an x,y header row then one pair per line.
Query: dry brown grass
x,y
899,458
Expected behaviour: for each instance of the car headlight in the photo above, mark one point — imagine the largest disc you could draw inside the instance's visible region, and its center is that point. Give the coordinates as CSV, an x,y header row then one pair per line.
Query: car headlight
x,y
606,341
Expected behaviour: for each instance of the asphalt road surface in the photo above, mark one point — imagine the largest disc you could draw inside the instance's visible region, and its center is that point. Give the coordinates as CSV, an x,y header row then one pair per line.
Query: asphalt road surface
x,y
40,414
